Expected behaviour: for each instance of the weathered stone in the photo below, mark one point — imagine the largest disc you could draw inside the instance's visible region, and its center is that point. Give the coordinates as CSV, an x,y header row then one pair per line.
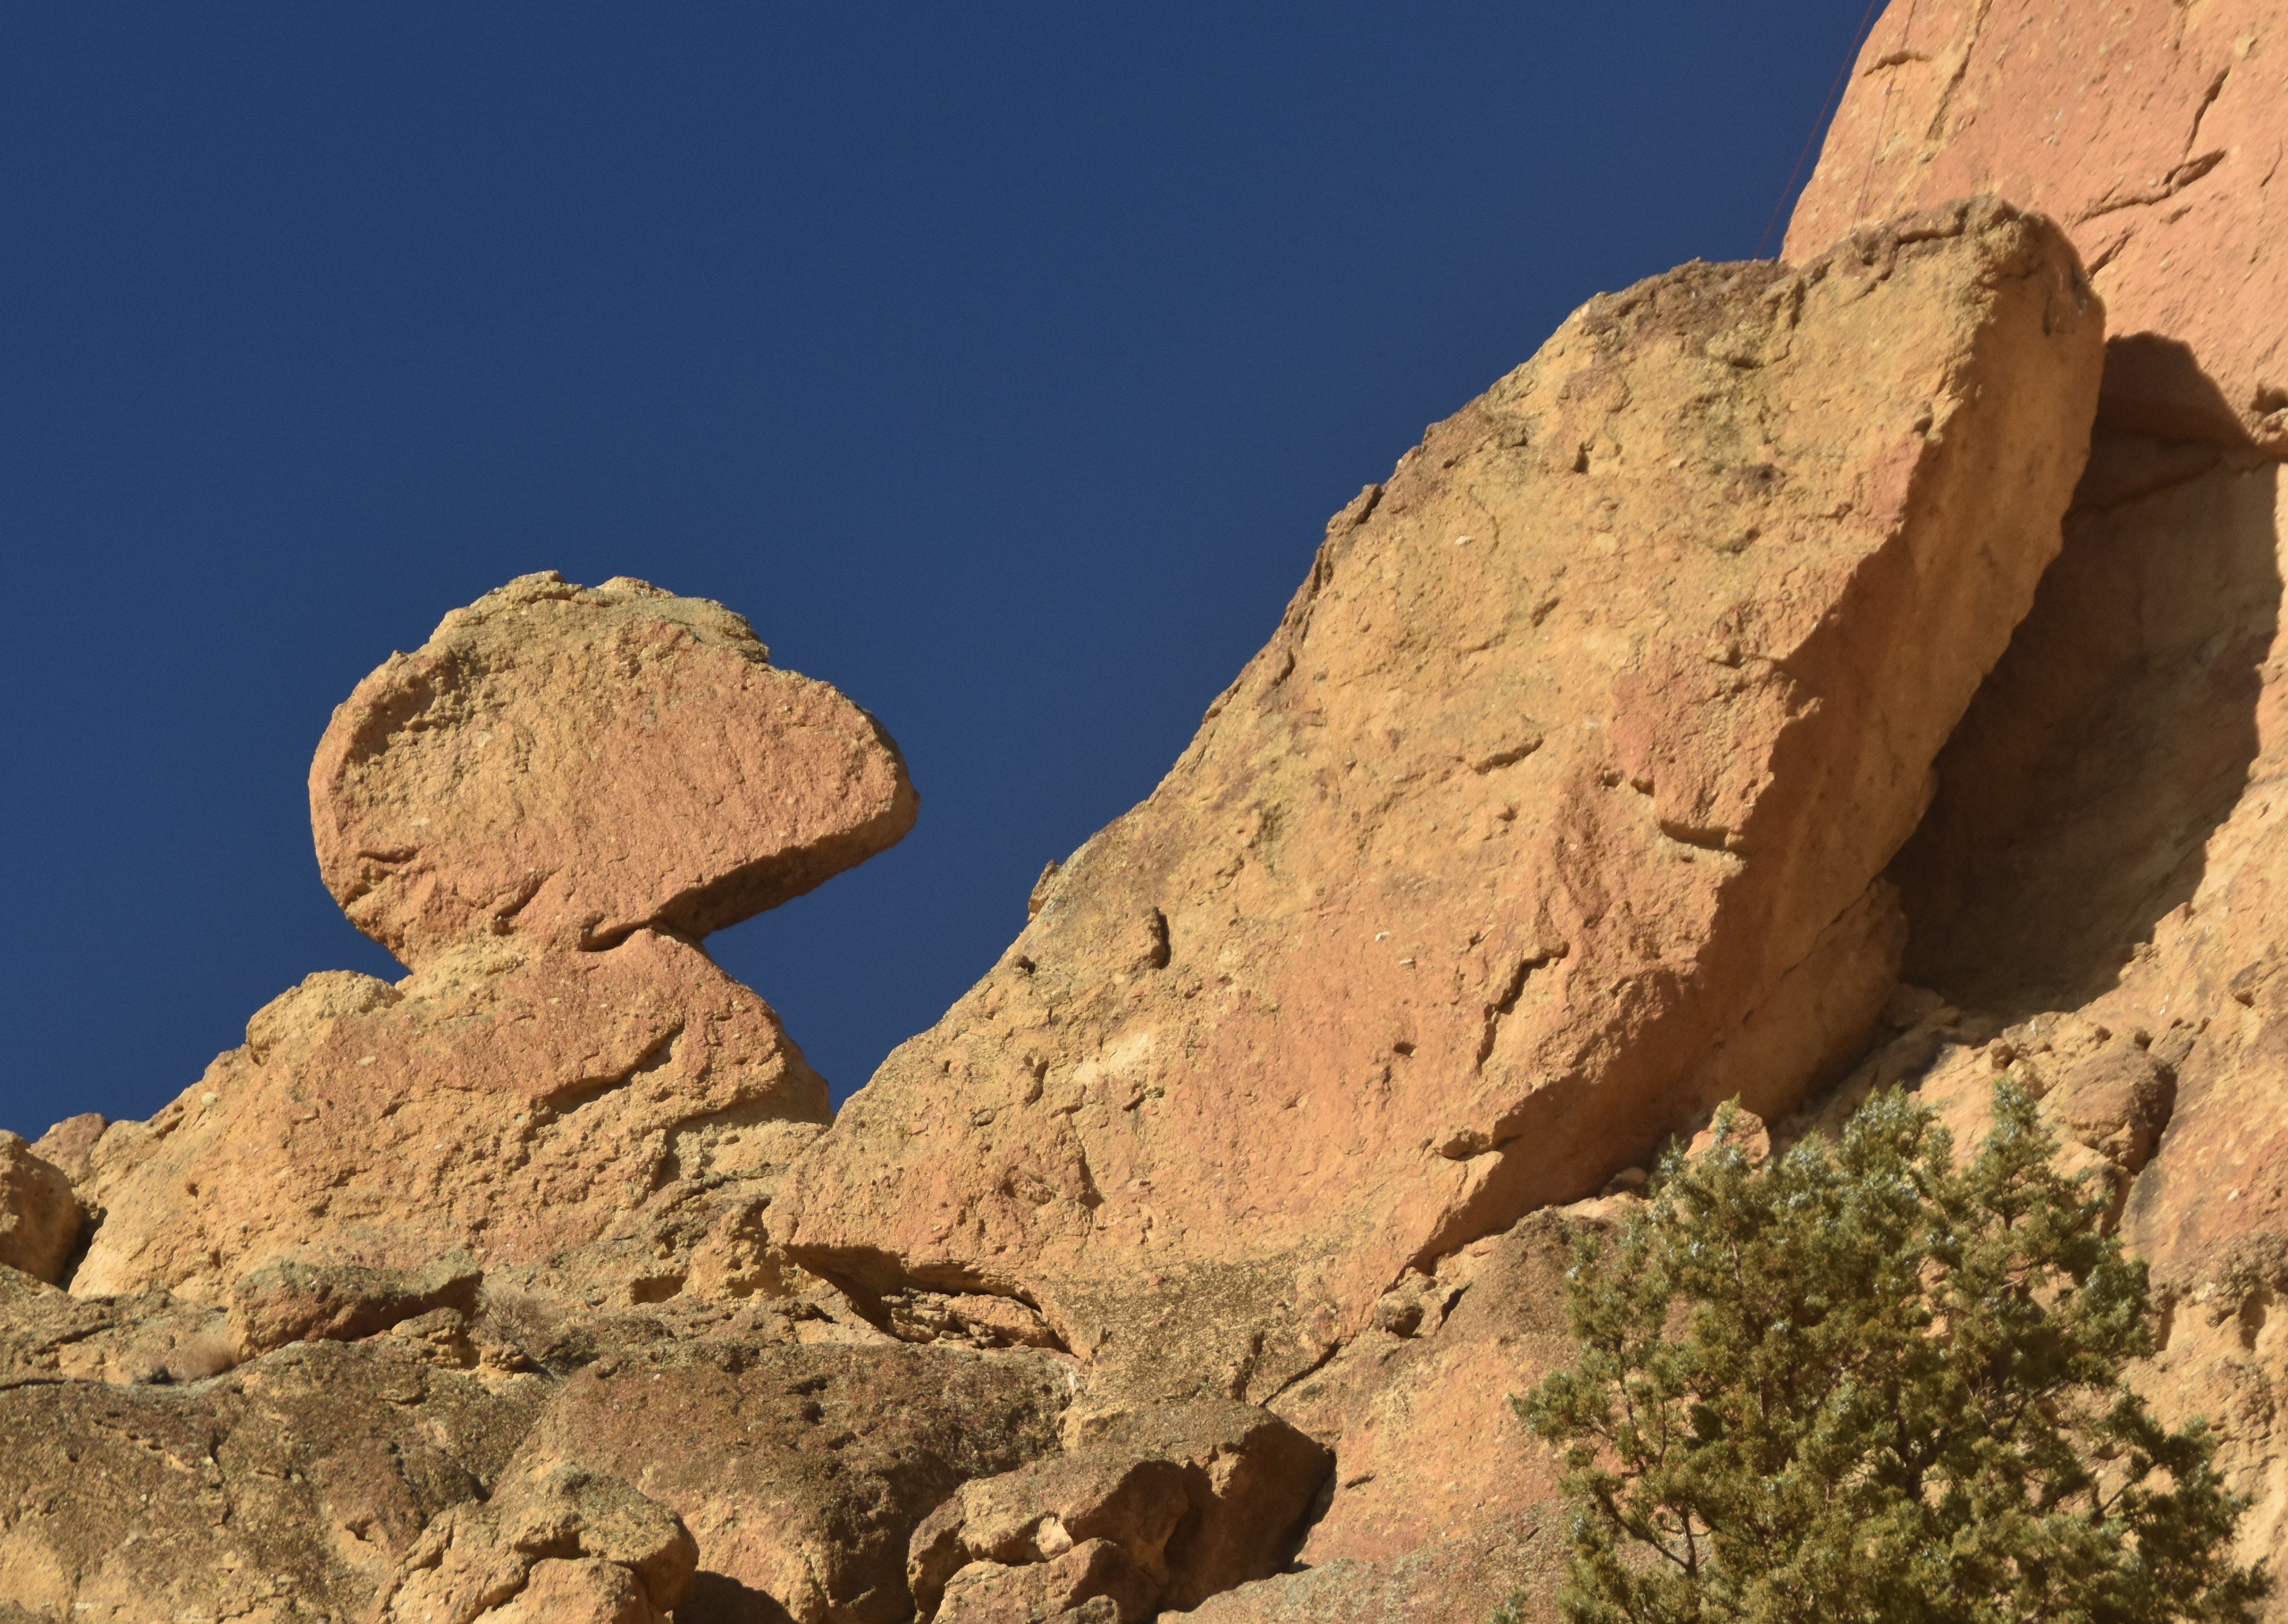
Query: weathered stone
x,y
572,764
69,1144
516,1108
1419,1419
48,1335
2151,132
40,1217
1194,1498
290,1302
803,1470
560,1546
1464,1579
2096,887
1093,1582
1553,814
287,1489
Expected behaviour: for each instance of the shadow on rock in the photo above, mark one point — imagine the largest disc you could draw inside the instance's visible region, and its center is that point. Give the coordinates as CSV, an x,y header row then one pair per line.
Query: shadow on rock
x,y
2075,799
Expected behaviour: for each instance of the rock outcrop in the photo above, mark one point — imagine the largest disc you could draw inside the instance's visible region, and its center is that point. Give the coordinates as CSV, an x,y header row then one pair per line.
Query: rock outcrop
x,y
540,809
286,1489
803,1470
1554,811
558,1546
1779,632
2093,892
40,1217
2154,132
1156,1509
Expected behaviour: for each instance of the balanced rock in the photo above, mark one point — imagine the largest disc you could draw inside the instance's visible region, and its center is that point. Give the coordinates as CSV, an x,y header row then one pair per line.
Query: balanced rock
x,y
572,764
1555,811
540,810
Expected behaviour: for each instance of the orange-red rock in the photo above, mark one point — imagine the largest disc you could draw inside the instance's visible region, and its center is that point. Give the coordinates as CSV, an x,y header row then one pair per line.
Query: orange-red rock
x,y
2099,879
2154,132
1552,813
516,1108
571,764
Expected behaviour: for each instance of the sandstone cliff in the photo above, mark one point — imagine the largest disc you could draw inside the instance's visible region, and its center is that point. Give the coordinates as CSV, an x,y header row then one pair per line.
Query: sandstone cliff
x,y
1796,677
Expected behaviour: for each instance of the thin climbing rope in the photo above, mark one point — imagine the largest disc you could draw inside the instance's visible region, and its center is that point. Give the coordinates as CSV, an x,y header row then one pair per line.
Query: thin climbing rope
x,y
1826,107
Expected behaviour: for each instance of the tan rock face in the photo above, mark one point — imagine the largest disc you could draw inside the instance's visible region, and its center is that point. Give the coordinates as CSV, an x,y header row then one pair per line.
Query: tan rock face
x,y
516,1108
2153,132
550,1547
285,1489
571,764
40,1217
1553,812
803,1470
1159,1509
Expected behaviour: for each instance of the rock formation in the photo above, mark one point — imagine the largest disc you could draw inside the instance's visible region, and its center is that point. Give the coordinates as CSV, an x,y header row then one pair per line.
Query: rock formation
x,y
541,810
1554,812
1797,678
2097,872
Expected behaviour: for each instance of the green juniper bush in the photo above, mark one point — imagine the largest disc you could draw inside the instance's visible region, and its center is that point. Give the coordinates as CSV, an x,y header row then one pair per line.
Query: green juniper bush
x,y
1866,1382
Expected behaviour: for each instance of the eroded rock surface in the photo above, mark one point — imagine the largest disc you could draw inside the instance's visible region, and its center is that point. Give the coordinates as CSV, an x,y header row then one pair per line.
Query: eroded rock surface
x,y
558,1546
1159,1508
2094,897
285,1489
517,1108
40,1216
570,764
1554,810
2153,132
802,1470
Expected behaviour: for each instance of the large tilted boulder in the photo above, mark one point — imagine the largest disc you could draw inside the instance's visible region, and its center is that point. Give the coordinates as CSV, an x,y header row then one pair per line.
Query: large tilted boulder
x,y
2096,892
541,810
1556,809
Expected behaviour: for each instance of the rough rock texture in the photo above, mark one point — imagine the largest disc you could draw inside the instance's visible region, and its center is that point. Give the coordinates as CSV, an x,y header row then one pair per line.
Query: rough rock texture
x,y
286,1489
1463,1579
571,764
40,1217
540,809
294,1302
803,1470
518,1108
2093,896
1553,811
1161,1508
560,1546
2154,132
49,1335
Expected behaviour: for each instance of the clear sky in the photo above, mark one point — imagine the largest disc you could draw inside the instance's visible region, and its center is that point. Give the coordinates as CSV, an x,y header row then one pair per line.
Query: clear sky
x,y
1002,362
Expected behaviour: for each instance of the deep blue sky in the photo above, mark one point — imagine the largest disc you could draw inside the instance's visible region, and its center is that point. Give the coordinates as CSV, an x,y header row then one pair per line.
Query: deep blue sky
x,y
1001,362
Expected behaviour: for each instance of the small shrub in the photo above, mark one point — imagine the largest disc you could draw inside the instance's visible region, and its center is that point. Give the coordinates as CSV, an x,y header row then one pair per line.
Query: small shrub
x,y
1866,1384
